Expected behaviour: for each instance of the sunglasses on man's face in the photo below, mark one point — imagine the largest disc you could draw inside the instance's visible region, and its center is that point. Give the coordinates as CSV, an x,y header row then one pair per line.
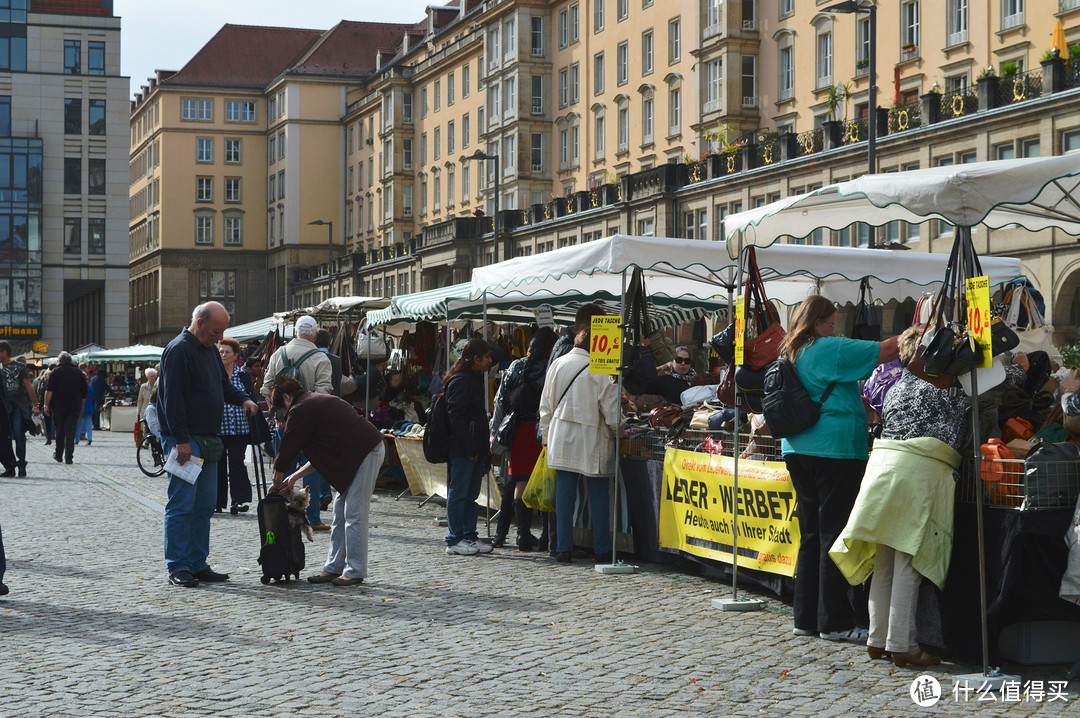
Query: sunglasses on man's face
x,y
682,360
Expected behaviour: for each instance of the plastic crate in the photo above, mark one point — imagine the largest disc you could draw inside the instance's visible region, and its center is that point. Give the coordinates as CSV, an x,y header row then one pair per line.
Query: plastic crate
x,y
1004,483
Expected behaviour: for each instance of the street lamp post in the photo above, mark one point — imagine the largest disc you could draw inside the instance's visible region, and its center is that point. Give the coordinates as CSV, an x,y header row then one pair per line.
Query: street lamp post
x,y
329,254
854,8
480,155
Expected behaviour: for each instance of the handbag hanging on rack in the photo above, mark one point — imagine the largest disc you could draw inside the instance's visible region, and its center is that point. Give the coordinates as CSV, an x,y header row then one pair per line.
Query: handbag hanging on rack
x,y
762,349
1035,335
866,324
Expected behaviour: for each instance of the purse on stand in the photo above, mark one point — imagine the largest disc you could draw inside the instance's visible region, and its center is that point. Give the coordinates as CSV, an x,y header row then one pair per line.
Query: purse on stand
x,y
866,324
763,348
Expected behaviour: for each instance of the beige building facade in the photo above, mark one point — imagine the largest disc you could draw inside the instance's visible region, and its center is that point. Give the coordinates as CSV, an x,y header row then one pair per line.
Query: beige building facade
x,y
648,117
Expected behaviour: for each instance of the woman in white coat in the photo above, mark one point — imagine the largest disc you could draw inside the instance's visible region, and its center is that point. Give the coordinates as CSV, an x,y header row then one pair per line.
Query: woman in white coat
x,y
579,414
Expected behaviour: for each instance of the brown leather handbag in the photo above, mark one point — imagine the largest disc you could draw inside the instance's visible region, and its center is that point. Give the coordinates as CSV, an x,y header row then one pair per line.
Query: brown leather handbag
x,y
764,348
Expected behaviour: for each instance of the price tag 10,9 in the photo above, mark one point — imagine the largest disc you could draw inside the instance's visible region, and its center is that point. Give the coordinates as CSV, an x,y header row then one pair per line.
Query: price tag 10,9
x,y
978,303
605,347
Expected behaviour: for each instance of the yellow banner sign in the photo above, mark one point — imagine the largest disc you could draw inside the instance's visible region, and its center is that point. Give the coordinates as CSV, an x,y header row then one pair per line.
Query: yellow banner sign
x,y
41,347
605,351
740,328
697,502
978,298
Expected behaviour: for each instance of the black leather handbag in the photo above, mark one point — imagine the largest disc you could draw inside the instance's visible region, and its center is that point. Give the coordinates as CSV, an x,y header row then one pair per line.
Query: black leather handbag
x,y
866,324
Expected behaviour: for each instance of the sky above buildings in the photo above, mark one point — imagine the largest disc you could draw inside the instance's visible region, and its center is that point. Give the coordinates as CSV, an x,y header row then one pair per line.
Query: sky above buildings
x,y
165,35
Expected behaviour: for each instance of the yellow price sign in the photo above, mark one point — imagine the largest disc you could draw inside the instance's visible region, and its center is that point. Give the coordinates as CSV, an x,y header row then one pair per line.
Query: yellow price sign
x,y
740,328
978,304
605,348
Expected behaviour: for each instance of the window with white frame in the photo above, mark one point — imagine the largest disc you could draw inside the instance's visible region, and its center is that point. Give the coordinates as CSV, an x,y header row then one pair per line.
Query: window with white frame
x,y
407,154
1012,14
646,52
436,188
465,172
575,145
508,163
622,59
495,103
450,186
406,200
450,137
536,99
464,131
564,148
958,22
598,73
232,151
647,105
787,7
536,152
492,50
713,13
406,108
234,229
598,15
232,189
623,126
509,40
239,111
564,27
204,149
909,26
436,145
536,36
450,89
437,94
564,87
575,83
423,149
824,59
360,216
1029,147
510,95
574,23
713,77
674,110
622,9
465,81
749,81
204,189
749,14
423,102
862,45
674,40
1070,142
423,195
388,158
786,69
599,129
204,228
646,227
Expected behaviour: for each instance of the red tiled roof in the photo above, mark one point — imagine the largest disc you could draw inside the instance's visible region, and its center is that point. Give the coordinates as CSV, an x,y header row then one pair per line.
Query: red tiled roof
x,y
103,8
350,48
245,56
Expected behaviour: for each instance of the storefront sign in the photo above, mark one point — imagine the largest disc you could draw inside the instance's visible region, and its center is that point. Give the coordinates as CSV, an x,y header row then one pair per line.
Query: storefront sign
x,y
544,316
978,297
696,510
605,348
9,332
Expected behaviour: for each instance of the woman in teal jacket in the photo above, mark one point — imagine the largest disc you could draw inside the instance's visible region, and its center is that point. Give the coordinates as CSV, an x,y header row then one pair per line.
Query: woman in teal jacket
x,y
826,462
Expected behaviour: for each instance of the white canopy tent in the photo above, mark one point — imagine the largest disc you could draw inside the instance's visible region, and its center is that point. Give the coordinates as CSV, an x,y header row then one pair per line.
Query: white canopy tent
x,y
135,352
688,268
1034,193
454,302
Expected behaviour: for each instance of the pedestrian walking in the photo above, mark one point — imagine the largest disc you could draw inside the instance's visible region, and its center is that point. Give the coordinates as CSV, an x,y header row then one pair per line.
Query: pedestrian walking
x,y
99,382
235,436
85,429
65,396
40,382
22,402
469,451
579,414
312,368
192,392
346,449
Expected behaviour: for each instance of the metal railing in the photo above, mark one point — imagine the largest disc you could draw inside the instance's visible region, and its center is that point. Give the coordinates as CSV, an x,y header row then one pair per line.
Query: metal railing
x,y
1019,87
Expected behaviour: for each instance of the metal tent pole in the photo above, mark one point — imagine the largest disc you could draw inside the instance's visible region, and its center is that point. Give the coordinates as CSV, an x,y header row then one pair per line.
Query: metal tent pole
x,y
617,567
735,603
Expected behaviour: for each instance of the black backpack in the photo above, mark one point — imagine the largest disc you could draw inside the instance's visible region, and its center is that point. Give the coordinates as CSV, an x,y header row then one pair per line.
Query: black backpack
x,y
437,437
787,407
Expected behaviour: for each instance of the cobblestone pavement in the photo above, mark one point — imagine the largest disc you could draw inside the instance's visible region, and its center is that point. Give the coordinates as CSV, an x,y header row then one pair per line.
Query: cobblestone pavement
x,y
92,628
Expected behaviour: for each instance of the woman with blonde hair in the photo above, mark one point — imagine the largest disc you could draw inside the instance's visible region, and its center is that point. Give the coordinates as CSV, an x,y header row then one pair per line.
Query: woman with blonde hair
x,y
826,462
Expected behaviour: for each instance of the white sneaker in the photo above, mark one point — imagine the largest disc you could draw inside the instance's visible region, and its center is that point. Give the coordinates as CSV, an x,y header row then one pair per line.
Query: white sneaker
x,y
481,546
852,635
462,548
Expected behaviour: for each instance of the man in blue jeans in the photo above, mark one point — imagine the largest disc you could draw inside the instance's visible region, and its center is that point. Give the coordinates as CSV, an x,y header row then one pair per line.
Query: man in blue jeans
x,y
192,391
22,402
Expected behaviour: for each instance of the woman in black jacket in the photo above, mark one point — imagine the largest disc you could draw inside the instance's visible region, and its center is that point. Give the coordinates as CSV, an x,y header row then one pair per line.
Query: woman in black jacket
x,y
517,406
469,450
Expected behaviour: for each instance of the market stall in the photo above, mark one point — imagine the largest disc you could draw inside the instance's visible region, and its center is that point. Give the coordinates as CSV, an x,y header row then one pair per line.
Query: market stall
x,y
1034,194
125,366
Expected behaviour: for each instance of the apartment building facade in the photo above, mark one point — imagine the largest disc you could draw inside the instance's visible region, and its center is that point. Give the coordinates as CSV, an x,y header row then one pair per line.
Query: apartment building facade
x,y
63,277
650,117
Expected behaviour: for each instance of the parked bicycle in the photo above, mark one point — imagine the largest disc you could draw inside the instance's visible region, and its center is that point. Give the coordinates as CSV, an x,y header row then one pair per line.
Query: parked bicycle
x,y
150,455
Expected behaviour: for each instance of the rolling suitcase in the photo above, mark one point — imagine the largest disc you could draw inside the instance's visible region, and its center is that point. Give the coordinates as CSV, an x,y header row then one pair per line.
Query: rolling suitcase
x,y
282,547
